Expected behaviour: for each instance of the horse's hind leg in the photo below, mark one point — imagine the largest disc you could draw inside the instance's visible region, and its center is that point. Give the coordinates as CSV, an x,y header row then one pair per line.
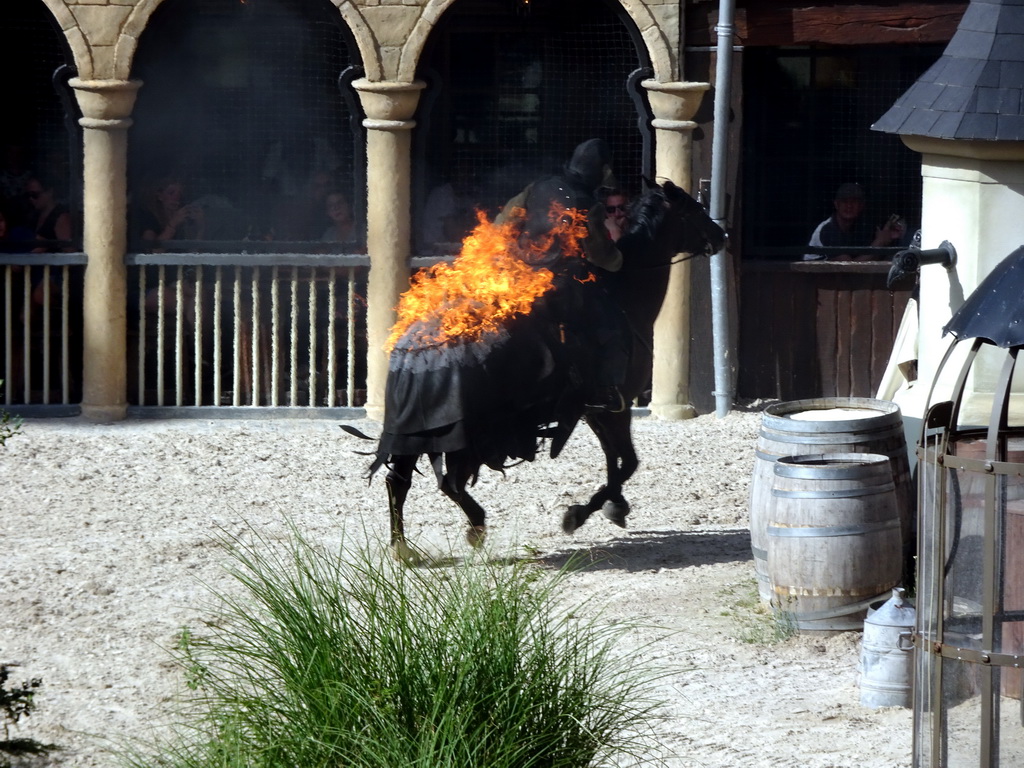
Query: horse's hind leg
x,y
454,487
398,482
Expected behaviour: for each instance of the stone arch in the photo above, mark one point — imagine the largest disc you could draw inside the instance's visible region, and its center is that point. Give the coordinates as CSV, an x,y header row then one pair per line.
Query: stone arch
x,y
653,37
413,49
80,51
128,40
363,35
138,19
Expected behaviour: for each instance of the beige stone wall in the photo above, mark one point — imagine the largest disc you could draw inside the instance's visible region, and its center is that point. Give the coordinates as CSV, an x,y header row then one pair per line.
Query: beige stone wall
x,y
390,34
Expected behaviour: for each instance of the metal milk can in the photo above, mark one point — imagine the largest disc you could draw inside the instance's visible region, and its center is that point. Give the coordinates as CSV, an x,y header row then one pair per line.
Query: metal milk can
x,y
886,660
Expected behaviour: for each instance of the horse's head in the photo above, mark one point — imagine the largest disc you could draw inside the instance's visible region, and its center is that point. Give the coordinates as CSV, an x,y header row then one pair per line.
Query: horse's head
x,y
667,221
699,234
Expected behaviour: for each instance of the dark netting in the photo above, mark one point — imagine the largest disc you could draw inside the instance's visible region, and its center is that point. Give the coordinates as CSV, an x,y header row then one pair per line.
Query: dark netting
x,y
512,89
39,134
807,129
242,108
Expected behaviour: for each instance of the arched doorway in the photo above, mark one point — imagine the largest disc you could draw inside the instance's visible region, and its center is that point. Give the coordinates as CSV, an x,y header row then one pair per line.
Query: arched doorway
x,y
246,119
243,100
512,88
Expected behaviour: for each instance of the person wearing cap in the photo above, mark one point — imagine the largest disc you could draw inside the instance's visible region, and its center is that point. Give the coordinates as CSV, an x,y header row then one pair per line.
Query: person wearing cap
x,y
846,227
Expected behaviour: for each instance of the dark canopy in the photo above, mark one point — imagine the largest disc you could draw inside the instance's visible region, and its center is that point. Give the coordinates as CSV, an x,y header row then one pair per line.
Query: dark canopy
x,y
995,310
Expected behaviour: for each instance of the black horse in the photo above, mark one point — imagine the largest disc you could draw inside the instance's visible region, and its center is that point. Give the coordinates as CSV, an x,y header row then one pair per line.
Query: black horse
x,y
497,399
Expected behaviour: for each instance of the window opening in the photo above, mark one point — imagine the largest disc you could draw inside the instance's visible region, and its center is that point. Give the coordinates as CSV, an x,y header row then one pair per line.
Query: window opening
x,y
39,135
807,130
242,106
509,96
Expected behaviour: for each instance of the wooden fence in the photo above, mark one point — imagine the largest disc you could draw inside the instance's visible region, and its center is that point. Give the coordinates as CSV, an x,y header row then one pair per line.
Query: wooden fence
x,y
815,328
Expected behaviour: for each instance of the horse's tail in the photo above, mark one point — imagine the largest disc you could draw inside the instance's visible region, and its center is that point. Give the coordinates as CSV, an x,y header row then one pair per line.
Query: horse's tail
x,y
355,432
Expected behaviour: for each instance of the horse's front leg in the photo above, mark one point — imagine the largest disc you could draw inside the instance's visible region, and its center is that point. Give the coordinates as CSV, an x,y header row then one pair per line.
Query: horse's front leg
x,y
398,482
613,432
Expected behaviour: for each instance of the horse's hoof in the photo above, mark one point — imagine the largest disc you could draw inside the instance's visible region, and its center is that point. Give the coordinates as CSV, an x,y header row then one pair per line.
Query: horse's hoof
x,y
475,535
406,554
575,516
615,512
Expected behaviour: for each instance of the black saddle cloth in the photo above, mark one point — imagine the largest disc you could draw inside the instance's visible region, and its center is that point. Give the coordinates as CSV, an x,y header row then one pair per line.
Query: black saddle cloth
x,y
491,396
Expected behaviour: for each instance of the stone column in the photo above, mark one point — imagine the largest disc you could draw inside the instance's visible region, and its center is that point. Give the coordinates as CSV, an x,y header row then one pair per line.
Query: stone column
x,y
106,106
389,107
673,105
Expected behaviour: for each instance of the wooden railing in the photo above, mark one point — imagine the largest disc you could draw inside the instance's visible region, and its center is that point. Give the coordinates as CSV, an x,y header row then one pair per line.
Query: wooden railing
x,y
205,331
816,328
40,329
286,330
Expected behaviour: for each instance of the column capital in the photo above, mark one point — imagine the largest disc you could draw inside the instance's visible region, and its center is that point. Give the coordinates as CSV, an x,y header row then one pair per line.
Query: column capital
x,y
105,104
389,105
675,103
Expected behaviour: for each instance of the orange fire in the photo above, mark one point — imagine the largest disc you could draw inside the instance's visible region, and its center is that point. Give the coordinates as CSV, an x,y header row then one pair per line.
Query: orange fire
x,y
491,280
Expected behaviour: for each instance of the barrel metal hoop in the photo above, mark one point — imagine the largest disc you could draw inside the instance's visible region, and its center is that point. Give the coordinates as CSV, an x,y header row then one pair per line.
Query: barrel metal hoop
x,y
849,493
970,655
802,436
856,470
833,530
833,613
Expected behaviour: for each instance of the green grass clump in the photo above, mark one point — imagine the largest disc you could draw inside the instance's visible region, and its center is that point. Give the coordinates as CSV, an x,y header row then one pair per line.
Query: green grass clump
x,y
351,659
759,623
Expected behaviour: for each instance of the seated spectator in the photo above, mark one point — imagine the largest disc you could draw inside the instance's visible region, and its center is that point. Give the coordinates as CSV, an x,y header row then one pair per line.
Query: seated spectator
x,y
301,218
50,219
163,216
847,228
449,213
339,212
14,176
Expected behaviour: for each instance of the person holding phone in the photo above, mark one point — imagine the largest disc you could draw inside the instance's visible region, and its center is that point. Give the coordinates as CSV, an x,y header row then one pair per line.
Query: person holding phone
x,y
847,227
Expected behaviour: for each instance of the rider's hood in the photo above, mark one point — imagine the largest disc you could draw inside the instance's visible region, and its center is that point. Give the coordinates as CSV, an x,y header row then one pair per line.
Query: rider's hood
x,y
590,165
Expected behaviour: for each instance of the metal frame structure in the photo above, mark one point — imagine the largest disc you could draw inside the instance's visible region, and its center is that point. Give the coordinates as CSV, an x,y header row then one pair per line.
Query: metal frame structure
x,y
969,693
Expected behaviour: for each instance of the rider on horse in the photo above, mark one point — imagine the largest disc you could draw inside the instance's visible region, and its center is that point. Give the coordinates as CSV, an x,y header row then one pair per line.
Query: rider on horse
x,y
599,323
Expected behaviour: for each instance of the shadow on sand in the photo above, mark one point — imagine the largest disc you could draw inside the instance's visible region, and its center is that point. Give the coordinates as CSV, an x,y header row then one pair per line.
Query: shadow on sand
x,y
655,550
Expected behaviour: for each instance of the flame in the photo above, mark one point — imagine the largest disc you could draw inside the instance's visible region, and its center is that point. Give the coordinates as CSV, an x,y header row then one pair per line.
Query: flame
x,y
493,278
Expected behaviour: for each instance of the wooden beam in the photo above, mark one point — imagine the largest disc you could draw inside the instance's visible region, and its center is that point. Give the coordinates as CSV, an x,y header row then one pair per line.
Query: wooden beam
x,y
768,23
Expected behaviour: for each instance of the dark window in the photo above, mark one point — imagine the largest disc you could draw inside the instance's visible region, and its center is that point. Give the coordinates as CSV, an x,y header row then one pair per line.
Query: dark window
x,y
242,105
807,129
514,87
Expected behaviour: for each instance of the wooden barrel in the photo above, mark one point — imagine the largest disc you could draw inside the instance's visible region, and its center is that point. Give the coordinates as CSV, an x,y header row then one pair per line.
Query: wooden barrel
x,y
827,425
834,541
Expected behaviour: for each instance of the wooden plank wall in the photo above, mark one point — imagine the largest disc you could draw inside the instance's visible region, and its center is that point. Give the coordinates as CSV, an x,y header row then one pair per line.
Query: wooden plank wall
x,y
794,22
815,329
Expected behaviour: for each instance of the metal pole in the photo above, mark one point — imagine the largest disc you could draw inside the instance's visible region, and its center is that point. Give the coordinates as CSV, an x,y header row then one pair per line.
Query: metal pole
x,y
719,269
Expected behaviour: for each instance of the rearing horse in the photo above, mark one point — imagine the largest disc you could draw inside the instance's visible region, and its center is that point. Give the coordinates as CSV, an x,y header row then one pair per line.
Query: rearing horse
x,y
475,404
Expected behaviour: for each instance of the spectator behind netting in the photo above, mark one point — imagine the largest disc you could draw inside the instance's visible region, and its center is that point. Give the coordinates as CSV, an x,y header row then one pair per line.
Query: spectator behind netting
x,y
14,176
163,216
302,218
343,227
50,219
449,213
847,227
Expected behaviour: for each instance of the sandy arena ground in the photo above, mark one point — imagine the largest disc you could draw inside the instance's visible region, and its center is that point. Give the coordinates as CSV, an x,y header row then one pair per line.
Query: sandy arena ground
x,y
107,535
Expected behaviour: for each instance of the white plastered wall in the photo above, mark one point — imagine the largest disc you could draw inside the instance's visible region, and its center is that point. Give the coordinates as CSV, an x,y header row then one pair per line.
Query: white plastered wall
x,y
973,196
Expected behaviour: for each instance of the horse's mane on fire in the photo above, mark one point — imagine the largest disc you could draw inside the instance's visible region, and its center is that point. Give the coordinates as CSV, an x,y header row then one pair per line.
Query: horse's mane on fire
x,y
496,276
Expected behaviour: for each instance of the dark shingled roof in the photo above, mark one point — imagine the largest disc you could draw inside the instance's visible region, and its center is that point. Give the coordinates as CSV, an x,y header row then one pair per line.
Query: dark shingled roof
x,y
976,89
